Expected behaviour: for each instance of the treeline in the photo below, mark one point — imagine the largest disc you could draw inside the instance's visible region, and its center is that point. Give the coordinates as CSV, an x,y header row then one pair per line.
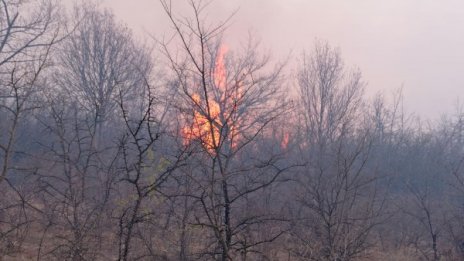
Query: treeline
x,y
183,149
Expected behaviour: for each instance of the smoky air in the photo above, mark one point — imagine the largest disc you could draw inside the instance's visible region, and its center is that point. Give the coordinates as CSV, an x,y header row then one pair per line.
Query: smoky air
x,y
192,139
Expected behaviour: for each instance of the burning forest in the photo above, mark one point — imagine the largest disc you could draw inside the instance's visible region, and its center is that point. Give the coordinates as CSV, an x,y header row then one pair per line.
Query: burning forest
x,y
191,148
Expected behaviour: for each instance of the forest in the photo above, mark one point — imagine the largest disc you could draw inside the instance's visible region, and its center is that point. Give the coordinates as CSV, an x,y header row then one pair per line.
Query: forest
x,y
182,148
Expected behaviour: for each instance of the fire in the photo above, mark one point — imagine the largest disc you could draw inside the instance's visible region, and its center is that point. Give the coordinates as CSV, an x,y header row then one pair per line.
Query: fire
x,y
209,121
220,76
201,129
216,120
285,140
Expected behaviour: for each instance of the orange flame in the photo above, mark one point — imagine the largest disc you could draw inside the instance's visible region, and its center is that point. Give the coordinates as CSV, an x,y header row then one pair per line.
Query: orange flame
x,y
202,128
220,76
207,125
285,140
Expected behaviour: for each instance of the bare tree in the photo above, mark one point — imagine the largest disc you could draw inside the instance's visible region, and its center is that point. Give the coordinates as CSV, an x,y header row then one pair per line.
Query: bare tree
x,y
339,199
227,104
446,206
100,61
26,40
431,220
145,167
75,183
107,153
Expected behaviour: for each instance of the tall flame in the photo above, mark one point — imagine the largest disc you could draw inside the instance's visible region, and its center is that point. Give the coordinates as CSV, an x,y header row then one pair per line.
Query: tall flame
x,y
207,124
216,118
220,74
285,140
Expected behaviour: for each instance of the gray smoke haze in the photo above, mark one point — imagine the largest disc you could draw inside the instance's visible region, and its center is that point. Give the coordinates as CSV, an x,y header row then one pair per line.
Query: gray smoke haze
x,y
117,146
416,44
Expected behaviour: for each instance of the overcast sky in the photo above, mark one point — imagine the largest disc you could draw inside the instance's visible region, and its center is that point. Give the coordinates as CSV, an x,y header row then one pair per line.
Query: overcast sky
x,y
415,43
